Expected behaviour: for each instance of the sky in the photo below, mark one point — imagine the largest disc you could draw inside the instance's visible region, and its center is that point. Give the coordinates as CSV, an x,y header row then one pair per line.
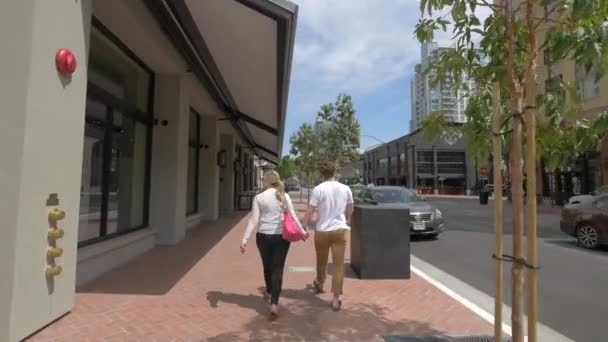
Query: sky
x,y
365,48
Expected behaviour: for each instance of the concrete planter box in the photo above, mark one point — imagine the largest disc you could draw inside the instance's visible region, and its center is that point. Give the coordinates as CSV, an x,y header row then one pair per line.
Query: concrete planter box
x,y
380,242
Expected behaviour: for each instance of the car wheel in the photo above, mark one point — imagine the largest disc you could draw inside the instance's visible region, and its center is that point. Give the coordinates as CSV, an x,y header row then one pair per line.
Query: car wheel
x,y
433,236
588,236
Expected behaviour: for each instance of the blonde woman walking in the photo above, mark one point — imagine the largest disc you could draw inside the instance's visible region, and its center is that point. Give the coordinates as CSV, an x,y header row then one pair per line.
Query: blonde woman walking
x,y
267,220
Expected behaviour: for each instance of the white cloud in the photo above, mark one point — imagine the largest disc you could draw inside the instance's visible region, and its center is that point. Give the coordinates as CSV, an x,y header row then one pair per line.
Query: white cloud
x,y
356,46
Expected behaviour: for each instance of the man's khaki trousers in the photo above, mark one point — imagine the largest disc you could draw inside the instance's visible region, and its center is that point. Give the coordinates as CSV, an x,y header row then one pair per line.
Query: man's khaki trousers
x,y
336,242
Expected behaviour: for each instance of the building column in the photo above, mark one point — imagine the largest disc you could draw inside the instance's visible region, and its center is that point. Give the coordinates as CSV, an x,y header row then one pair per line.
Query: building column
x,y
435,171
170,159
41,144
209,183
226,198
411,164
603,161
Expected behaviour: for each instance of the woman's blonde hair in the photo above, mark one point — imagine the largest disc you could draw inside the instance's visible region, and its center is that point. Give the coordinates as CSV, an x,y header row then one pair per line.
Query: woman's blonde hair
x,y
272,177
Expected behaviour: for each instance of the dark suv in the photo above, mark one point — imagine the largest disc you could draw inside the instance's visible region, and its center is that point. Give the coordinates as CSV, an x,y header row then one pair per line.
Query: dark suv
x,y
587,220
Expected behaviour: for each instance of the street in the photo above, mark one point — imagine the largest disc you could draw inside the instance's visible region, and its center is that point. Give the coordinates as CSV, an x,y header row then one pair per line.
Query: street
x,y
572,281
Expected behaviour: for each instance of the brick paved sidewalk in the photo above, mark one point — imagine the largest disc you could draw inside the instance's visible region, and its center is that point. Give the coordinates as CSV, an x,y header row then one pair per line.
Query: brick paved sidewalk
x,y
205,290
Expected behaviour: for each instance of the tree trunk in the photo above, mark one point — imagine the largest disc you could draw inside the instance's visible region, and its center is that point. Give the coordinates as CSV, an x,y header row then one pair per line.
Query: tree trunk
x,y
497,161
530,118
309,181
518,224
517,305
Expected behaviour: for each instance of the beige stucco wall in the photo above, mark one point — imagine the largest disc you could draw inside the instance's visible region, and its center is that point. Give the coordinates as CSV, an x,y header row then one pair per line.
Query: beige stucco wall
x,y
42,141
590,108
41,144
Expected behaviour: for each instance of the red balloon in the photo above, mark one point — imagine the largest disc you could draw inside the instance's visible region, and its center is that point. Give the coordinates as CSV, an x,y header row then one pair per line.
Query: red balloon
x,y
65,61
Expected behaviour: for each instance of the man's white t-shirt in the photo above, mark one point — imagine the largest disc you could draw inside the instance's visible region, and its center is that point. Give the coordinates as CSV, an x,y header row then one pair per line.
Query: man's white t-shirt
x,y
331,199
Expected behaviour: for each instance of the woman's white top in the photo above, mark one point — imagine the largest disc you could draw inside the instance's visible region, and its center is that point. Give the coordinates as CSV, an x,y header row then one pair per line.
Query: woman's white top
x,y
267,214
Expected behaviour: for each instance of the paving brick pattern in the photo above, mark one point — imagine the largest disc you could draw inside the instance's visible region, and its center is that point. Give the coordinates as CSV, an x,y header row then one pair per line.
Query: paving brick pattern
x,y
204,290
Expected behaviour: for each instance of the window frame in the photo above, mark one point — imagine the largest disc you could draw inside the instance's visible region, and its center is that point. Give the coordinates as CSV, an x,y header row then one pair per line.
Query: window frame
x,y
129,111
582,78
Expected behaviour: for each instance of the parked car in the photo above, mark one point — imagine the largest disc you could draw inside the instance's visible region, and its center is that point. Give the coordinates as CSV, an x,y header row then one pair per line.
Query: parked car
x,y
292,185
425,218
587,220
603,190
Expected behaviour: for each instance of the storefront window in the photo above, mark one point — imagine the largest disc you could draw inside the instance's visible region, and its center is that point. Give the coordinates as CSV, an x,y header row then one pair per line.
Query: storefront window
x,y
116,166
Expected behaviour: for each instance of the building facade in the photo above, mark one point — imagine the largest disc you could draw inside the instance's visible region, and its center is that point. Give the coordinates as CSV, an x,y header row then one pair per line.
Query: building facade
x,y
146,124
443,167
444,98
352,173
590,170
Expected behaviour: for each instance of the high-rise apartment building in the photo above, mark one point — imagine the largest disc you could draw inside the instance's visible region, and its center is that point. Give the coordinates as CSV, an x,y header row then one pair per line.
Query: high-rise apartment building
x,y
443,98
321,125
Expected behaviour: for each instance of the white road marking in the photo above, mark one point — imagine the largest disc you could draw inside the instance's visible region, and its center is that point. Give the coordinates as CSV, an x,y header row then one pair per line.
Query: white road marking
x,y
477,300
467,303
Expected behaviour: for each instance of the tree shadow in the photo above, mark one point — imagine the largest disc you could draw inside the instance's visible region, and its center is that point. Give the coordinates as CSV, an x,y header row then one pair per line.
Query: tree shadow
x,y
306,317
165,265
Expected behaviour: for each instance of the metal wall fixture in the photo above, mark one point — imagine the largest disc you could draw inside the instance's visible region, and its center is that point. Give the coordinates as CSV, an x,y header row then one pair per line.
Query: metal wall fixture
x,y
54,233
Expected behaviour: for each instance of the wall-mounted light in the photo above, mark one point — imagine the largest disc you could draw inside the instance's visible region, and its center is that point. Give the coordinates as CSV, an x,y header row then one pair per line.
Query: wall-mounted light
x,y
221,159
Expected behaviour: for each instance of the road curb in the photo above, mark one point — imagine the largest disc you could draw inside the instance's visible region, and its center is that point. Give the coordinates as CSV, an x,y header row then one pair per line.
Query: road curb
x,y
475,300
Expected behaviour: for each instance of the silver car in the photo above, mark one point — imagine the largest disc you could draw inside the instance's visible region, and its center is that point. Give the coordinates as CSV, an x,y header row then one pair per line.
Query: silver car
x,y
425,218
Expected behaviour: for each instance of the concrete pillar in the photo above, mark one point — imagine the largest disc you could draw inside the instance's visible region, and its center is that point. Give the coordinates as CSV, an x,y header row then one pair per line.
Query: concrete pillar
x,y
170,159
411,164
227,144
209,183
238,172
603,161
41,141
435,171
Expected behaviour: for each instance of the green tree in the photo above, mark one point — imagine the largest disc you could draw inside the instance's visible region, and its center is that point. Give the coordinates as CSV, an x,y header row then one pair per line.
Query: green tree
x,y
305,149
286,167
340,135
504,63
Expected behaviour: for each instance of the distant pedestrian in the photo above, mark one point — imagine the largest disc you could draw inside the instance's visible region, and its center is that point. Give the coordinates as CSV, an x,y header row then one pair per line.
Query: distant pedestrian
x,y
332,203
268,209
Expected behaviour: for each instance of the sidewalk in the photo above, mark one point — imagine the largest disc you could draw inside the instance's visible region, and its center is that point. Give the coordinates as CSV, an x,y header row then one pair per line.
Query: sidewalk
x,y
204,289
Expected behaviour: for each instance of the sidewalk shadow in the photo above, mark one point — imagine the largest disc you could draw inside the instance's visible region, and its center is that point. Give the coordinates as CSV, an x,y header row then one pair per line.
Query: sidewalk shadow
x,y
306,317
158,270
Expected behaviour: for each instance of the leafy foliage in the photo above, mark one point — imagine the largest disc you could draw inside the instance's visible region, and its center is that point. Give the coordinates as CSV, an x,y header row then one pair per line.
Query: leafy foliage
x,y
579,30
286,167
305,147
340,140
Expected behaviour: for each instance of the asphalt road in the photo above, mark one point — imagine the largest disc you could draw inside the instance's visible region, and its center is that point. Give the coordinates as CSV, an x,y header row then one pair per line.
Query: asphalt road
x,y
573,283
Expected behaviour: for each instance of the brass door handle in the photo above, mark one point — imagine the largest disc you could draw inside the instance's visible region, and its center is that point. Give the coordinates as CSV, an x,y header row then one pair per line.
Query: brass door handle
x,y
56,215
54,252
53,270
55,233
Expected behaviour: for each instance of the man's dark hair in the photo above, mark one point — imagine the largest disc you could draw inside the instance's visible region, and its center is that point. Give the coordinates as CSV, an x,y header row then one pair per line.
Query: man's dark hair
x,y
327,168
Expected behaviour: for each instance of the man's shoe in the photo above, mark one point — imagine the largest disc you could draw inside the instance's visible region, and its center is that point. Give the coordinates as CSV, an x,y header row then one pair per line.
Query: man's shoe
x,y
317,286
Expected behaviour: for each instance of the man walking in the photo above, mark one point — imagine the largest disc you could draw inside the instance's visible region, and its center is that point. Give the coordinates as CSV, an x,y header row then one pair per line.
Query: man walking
x,y
332,202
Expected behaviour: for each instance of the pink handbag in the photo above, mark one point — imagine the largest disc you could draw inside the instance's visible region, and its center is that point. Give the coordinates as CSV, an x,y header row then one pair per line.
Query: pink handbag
x,y
291,232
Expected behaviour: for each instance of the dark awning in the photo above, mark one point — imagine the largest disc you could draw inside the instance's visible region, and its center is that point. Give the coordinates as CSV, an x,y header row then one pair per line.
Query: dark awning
x,y
241,50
